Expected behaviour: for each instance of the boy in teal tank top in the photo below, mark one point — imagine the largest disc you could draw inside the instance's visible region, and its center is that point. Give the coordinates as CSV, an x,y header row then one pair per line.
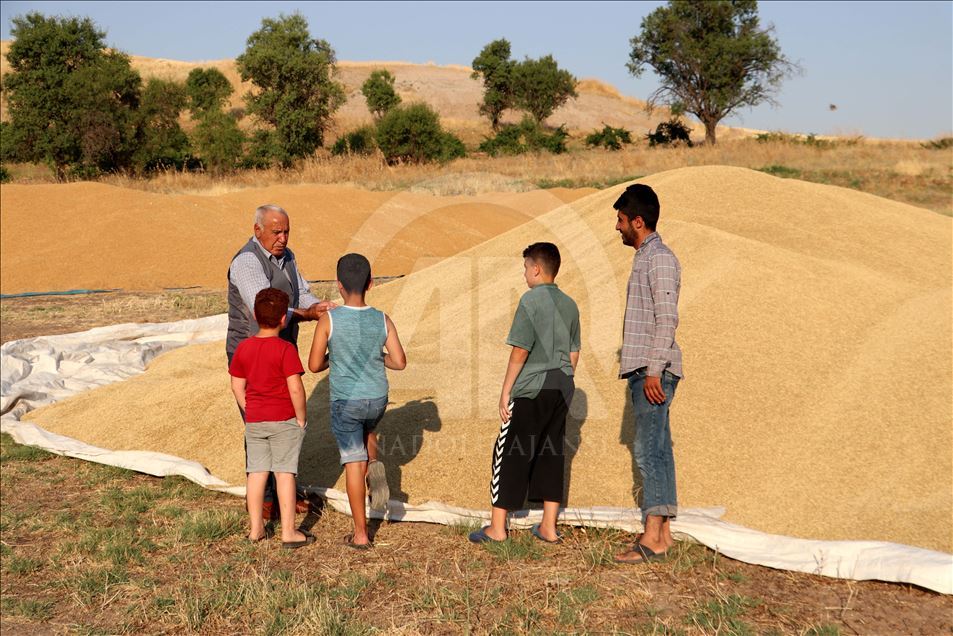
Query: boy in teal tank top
x,y
357,342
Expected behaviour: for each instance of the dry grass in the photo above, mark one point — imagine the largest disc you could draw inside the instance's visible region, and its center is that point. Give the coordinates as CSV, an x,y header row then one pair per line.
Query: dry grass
x,y
903,171
93,549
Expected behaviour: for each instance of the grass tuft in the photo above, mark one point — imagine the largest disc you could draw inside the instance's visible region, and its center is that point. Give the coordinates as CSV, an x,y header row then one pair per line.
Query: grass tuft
x,y
212,525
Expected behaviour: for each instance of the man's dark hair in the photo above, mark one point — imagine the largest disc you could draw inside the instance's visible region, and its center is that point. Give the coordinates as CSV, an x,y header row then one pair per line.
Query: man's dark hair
x,y
270,305
639,200
354,273
546,255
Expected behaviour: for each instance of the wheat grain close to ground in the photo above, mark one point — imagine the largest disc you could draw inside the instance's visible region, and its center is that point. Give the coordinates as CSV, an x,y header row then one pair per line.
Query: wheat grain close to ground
x,y
815,322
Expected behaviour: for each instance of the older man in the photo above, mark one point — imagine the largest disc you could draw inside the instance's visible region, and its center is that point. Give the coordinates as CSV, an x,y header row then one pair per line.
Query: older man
x,y
265,261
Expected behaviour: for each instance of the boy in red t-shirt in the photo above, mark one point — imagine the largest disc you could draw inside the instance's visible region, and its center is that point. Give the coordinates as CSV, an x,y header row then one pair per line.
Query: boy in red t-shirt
x,y
266,380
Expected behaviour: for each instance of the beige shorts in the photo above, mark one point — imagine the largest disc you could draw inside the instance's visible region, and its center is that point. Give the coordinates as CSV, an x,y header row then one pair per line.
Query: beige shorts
x,y
273,447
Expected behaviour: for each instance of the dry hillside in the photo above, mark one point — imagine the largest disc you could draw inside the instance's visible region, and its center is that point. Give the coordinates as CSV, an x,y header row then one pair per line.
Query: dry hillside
x,y
816,330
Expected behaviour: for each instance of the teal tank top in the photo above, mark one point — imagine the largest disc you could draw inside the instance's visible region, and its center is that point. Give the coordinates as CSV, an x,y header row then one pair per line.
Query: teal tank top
x,y
356,353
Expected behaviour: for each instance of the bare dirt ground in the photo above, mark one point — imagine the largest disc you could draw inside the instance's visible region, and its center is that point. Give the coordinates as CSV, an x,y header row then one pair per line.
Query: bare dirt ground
x,y
93,549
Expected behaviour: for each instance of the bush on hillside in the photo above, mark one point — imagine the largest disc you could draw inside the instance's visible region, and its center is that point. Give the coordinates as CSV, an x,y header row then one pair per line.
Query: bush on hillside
x,y
609,138
355,142
412,134
526,136
670,133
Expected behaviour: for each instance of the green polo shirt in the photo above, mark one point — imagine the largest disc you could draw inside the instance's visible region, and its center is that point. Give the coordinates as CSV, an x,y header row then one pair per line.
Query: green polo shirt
x,y
547,325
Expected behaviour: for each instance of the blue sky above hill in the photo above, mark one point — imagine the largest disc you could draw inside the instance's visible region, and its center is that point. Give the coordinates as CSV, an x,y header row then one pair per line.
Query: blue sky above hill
x,y
887,66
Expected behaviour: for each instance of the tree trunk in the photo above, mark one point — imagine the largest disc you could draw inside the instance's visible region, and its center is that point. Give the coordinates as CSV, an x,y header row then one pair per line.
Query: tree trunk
x,y
710,131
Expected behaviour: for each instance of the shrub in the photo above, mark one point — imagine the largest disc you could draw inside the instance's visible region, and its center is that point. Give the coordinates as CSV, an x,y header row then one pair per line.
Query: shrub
x,y
218,141
938,144
453,147
515,139
413,134
609,138
4,175
263,150
356,142
670,133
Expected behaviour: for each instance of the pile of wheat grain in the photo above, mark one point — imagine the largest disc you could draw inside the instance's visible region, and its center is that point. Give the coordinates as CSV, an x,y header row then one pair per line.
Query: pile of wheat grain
x,y
92,235
816,330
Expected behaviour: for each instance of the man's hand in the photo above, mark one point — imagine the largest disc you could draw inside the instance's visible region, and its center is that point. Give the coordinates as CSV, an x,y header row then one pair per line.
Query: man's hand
x,y
302,423
505,407
652,387
315,311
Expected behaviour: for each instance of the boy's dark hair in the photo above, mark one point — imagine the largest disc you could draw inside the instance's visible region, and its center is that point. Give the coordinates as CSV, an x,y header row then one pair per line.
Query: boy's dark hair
x,y
354,273
270,305
546,255
639,200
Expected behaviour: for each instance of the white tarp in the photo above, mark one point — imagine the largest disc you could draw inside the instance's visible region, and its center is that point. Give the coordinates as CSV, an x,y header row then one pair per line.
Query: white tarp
x,y
43,370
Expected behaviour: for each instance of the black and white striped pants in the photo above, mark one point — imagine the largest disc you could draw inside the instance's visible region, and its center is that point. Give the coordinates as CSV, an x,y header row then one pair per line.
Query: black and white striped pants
x,y
528,461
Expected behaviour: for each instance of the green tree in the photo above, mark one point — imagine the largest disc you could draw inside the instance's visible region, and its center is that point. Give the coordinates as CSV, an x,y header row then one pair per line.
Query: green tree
x,y
712,56
72,102
293,74
161,142
379,92
540,86
218,142
208,89
413,134
495,67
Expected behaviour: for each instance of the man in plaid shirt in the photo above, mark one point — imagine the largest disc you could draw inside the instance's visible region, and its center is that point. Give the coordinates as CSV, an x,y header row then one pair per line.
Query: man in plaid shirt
x,y
651,363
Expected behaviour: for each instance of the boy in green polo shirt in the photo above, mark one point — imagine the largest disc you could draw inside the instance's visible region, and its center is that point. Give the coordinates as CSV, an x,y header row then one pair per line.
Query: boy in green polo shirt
x,y
537,390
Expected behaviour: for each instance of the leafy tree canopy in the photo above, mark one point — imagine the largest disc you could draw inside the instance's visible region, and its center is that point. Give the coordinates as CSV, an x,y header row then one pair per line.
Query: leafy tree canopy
x,y
713,57
72,102
295,94
208,90
379,92
495,67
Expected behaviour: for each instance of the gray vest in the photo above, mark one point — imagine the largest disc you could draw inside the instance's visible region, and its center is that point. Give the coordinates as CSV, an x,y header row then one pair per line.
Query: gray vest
x,y
241,320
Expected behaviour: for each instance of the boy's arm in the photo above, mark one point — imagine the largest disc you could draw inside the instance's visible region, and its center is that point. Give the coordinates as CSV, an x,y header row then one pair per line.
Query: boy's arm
x,y
395,358
318,358
518,358
573,359
296,389
238,388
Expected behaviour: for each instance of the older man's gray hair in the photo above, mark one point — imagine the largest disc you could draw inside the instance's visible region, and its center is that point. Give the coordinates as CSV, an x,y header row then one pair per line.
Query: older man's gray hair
x,y
262,210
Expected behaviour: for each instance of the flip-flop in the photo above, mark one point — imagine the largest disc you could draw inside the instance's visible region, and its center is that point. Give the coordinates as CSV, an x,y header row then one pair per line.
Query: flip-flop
x,y
294,545
480,536
536,533
377,485
646,555
349,542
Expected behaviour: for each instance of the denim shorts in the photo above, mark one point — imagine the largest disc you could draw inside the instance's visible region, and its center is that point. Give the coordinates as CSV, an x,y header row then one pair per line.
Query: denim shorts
x,y
351,420
273,447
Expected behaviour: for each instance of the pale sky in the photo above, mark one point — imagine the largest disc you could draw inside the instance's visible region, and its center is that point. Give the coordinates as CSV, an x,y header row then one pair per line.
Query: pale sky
x,y
888,66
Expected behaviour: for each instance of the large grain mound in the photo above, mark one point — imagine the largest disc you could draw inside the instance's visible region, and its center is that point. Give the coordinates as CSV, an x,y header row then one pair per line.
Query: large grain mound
x,y
92,235
816,330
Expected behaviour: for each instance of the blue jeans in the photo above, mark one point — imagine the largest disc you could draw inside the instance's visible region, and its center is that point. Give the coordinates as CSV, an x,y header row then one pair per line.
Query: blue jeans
x,y
652,447
351,421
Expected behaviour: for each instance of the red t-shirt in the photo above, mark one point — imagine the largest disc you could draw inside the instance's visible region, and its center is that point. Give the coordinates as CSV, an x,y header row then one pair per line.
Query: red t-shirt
x,y
266,364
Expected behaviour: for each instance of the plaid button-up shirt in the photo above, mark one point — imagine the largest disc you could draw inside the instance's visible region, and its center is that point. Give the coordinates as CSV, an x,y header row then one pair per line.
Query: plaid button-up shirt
x,y
651,311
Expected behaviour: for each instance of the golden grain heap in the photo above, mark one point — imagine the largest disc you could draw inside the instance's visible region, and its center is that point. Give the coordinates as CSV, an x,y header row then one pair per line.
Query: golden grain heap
x,y
816,330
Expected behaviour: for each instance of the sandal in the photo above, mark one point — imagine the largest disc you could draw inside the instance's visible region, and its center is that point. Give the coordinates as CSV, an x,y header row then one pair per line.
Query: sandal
x,y
294,545
639,554
349,542
480,536
536,533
